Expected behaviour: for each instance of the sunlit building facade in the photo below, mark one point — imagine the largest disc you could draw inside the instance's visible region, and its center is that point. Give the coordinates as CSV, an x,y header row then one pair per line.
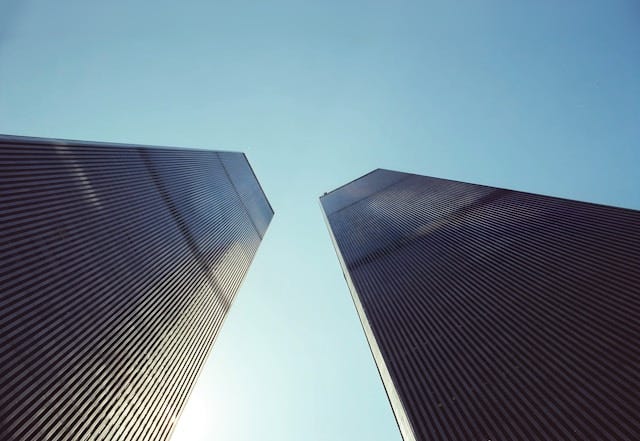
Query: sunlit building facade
x,y
494,314
118,264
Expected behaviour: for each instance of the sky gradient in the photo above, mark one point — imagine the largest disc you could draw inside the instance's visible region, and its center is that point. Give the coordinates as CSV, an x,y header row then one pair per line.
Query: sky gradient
x,y
541,97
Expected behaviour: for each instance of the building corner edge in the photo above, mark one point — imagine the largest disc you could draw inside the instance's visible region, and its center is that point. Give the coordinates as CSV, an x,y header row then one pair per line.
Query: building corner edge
x,y
402,419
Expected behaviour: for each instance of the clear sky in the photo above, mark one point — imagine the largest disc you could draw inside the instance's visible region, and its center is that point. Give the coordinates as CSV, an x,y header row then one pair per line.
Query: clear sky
x,y
540,96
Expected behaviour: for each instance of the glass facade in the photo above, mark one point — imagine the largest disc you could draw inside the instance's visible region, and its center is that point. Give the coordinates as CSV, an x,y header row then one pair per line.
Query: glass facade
x,y
494,314
118,265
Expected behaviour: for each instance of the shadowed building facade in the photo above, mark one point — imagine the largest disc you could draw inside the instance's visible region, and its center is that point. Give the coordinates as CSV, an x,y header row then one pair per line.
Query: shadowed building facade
x,y
118,264
494,314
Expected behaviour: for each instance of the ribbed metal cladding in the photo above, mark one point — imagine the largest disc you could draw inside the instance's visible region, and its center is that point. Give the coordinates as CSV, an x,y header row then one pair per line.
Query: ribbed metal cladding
x,y
494,314
118,265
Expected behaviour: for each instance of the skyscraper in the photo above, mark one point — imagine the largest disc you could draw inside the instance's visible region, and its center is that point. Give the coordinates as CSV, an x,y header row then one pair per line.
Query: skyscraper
x,y
494,314
118,265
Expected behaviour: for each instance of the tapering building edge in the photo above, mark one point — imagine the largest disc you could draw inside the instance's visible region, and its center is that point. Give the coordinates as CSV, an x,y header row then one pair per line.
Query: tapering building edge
x,y
213,344
400,414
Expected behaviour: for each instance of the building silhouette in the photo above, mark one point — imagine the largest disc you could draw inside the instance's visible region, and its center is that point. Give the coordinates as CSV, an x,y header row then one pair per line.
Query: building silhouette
x,y
494,314
118,264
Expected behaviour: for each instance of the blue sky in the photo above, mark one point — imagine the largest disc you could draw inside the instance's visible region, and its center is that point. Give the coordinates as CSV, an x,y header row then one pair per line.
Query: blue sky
x,y
537,96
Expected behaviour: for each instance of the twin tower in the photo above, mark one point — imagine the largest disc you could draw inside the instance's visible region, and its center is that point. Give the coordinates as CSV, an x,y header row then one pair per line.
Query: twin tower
x,y
491,314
